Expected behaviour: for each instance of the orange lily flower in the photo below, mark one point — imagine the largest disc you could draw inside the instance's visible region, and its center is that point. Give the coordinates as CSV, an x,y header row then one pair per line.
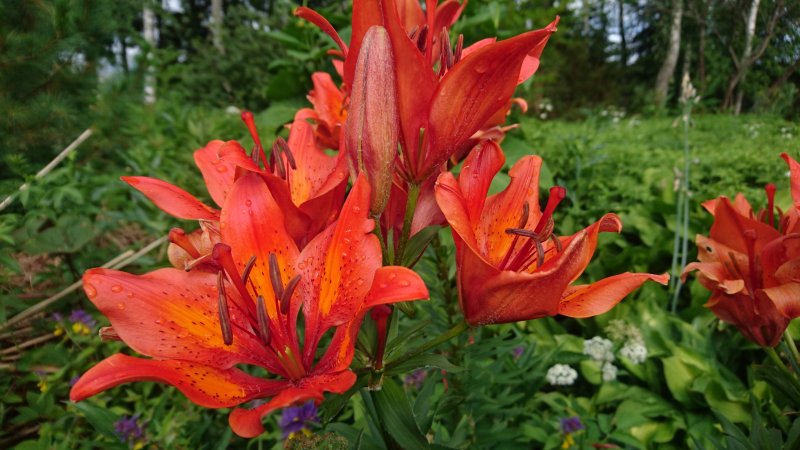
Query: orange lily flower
x,y
510,265
197,326
751,263
467,93
329,112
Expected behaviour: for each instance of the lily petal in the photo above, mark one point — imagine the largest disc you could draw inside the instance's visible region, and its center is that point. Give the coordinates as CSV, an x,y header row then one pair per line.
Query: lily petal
x,y
207,386
172,314
590,300
473,90
480,167
395,284
794,170
786,298
218,172
172,199
247,422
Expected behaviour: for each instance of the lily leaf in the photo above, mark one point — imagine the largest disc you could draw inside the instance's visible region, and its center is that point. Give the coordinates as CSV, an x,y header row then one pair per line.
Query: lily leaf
x,y
422,361
397,418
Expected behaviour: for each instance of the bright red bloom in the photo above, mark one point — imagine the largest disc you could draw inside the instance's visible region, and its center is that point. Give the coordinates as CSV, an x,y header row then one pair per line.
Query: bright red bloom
x,y
751,263
329,112
471,88
510,265
197,326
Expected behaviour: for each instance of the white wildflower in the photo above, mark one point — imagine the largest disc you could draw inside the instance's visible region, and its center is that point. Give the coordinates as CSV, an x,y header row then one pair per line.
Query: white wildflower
x,y
609,372
599,349
635,351
561,375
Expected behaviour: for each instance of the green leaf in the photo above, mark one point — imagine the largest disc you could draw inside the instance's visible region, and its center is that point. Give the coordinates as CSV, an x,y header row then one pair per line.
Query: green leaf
x,y
397,418
426,360
100,418
416,245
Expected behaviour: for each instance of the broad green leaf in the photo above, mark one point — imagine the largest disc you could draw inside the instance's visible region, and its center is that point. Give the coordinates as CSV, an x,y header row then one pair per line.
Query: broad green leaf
x,y
397,418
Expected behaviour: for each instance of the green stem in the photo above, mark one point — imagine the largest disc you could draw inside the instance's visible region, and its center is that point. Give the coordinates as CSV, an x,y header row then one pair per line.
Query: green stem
x,y
379,234
773,355
790,342
452,332
411,205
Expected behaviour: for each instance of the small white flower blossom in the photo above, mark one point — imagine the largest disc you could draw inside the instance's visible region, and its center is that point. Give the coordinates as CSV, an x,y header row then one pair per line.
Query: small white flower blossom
x,y
634,351
561,375
599,349
609,372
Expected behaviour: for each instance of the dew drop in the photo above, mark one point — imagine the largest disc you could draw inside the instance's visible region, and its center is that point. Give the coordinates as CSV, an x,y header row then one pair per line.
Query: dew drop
x,y
301,265
222,169
360,282
91,292
116,288
129,295
392,276
384,285
248,202
158,321
120,306
346,240
404,283
356,209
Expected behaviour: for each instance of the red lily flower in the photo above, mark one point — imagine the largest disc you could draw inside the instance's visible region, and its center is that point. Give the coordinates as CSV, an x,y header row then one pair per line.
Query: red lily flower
x,y
751,263
510,265
197,325
329,112
470,89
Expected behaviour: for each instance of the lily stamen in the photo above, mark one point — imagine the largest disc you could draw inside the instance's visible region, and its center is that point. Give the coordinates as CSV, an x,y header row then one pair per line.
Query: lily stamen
x,y
287,294
263,320
258,150
459,49
222,255
248,268
422,38
750,236
276,159
224,314
275,276
524,256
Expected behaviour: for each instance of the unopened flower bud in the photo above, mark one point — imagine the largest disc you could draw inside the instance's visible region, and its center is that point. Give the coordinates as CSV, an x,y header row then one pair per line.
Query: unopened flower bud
x,y
371,130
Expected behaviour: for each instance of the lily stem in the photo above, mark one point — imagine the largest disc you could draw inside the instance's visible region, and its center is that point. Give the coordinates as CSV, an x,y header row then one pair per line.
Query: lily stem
x,y
792,347
773,355
411,206
452,332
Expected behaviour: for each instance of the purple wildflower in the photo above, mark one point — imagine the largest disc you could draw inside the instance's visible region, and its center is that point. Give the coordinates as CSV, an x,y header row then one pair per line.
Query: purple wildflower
x,y
128,428
518,351
571,424
415,378
57,317
81,316
295,418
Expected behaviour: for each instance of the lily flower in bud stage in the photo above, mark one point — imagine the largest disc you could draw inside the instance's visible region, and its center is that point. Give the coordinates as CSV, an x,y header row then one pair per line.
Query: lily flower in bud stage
x,y
440,109
197,326
751,263
510,265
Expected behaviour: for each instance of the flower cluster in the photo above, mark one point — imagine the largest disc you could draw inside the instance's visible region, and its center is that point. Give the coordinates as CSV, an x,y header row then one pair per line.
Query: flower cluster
x,y
80,322
561,375
280,273
750,261
131,431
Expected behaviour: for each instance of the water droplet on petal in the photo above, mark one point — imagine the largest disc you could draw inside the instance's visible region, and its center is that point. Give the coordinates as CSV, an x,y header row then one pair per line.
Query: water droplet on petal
x,y
120,306
222,169
301,265
356,209
384,285
116,288
392,276
129,295
404,283
158,321
248,202
360,282
91,292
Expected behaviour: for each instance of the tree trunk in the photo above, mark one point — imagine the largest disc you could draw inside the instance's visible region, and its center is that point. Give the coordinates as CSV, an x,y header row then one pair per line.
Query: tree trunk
x,y
217,20
623,49
667,70
149,34
748,52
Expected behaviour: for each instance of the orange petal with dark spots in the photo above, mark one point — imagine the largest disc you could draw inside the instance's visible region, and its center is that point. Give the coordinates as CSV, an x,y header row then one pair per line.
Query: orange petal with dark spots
x,y
172,199
207,386
590,300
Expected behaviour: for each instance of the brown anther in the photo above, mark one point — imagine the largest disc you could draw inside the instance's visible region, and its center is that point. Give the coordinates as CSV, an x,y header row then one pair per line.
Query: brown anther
x,y
413,32
289,156
287,294
109,334
556,242
422,38
446,47
248,268
459,49
523,219
224,314
275,276
263,320
277,149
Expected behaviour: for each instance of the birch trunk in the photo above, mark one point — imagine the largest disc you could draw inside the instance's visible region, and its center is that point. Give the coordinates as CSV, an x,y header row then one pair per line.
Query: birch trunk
x,y
667,70
748,51
149,34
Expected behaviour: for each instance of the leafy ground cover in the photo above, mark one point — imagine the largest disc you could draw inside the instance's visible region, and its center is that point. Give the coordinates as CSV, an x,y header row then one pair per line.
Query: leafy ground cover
x,y
697,380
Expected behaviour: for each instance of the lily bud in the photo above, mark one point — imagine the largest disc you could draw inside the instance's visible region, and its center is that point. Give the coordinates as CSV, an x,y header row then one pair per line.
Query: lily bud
x,y
371,129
